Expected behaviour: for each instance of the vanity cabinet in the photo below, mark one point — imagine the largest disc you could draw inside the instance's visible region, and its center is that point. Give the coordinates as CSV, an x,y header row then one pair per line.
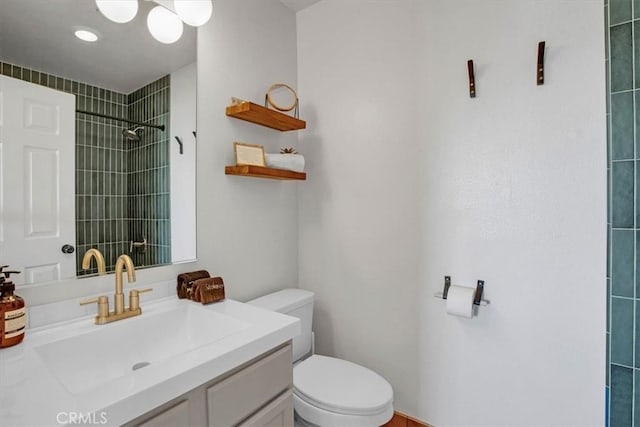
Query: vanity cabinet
x,y
258,393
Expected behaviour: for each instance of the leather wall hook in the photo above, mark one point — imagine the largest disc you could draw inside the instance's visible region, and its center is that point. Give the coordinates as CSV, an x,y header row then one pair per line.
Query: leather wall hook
x,y
540,66
472,79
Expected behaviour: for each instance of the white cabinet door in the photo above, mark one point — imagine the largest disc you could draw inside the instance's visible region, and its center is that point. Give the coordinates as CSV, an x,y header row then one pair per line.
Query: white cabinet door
x,y
242,394
37,180
175,416
278,413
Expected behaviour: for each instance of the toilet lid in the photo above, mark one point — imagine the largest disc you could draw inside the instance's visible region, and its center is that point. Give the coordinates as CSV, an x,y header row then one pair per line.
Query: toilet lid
x,y
339,386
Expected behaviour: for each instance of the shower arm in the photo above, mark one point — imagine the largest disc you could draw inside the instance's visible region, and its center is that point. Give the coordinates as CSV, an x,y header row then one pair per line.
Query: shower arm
x,y
120,119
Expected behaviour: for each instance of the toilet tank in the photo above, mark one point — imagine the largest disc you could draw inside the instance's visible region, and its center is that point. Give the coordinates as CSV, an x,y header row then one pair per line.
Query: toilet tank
x,y
297,303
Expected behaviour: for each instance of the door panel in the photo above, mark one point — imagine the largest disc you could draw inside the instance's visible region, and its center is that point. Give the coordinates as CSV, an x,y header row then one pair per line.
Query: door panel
x,y
42,117
41,171
41,273
37,180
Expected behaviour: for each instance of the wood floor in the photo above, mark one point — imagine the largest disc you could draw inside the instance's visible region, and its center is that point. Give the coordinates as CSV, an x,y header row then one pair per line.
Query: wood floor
x,y
401,420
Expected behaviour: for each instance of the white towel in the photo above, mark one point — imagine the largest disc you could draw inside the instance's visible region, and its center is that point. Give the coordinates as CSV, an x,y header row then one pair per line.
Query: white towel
x,y
292,162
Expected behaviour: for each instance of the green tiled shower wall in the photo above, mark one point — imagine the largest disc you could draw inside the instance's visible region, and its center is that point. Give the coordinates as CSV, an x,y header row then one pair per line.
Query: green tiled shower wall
x,y
622,23
149,179
107,168
101,177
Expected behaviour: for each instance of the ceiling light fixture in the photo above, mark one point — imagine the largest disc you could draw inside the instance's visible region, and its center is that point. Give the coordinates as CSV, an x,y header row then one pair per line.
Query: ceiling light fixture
x,y
164,21
194,12
86,35
164,25
119,11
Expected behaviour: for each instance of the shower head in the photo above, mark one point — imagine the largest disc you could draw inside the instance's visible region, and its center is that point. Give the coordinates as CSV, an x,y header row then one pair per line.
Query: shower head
x,y
132,135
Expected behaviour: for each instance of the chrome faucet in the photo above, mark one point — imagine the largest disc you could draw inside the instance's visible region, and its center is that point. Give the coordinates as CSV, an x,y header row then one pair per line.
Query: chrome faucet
x,y
94,253
119,312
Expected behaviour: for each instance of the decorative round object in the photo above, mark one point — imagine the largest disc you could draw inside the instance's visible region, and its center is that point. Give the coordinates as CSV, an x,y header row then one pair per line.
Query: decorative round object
x,y
271,102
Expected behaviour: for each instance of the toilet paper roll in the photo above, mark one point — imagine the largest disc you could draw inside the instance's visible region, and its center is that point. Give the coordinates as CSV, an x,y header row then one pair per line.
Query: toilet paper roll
x,y
460,301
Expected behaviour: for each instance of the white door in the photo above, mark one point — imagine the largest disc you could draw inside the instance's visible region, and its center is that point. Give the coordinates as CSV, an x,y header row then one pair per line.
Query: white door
x,y
37,180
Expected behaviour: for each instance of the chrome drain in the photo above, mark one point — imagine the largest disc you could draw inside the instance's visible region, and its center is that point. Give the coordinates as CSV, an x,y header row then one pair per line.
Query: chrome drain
x,y
139,365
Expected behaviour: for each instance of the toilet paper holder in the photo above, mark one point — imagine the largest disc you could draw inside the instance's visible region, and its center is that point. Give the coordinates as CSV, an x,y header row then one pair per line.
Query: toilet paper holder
x,y
477,300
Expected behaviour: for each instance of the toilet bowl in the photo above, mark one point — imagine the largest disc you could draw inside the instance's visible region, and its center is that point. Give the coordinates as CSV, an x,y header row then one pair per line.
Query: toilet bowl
x,y
327,391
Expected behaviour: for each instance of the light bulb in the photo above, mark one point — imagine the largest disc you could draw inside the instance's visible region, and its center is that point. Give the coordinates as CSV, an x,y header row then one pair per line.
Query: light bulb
x,y
194,12
164,25
119,11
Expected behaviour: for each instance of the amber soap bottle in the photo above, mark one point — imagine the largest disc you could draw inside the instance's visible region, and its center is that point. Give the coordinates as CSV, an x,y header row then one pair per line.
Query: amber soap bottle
x,y
13,313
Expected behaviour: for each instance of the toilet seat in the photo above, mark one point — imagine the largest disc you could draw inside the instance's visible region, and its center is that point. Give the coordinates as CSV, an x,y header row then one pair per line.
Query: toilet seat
x,y
326,387
308,415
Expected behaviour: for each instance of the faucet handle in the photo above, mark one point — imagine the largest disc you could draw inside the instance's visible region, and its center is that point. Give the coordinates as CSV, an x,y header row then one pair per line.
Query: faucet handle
x,y
134,297
103,304
92,300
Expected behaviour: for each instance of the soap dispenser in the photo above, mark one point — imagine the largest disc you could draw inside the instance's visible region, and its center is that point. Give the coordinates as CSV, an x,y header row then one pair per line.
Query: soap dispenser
x,y
13,313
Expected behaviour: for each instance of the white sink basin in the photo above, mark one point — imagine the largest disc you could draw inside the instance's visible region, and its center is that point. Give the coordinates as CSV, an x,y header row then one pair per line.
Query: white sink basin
x,y
78,367
126,347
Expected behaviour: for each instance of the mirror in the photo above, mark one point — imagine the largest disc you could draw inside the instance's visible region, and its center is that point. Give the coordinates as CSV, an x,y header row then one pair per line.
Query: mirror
x,y
134,189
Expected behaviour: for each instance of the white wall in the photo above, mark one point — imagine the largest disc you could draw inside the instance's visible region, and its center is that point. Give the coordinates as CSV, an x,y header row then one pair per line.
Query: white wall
x,y
183,172
247,227
359,209
510,189
514,192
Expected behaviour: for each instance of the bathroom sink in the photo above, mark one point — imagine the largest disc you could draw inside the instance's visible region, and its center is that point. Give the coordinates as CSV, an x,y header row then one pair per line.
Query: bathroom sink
x,y
129,347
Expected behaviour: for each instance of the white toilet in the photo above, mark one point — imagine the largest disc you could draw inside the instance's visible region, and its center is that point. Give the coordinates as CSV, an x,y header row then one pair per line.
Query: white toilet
x,y
328,392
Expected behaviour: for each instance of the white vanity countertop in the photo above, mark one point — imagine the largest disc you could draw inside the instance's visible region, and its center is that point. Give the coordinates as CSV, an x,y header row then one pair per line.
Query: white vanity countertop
x,y
31,395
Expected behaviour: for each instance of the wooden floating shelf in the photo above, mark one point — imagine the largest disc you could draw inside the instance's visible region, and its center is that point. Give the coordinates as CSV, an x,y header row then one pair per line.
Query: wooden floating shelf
x,y
262,172
264,116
